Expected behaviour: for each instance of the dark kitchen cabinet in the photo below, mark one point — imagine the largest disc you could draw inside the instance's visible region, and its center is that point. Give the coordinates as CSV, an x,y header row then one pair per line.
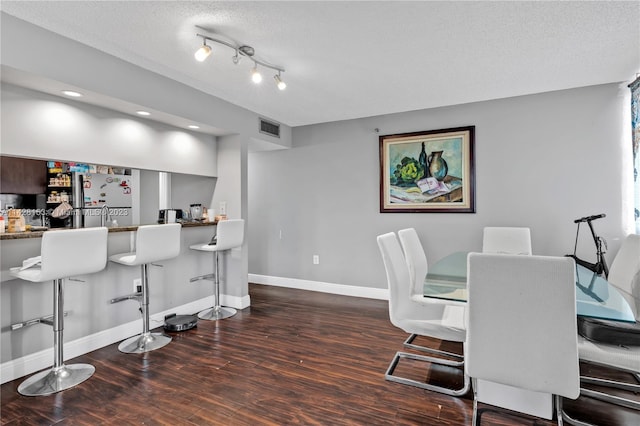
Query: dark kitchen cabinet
x,y
22,176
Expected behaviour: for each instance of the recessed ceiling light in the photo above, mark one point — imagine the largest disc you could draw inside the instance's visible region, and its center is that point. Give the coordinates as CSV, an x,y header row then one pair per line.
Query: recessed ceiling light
x,y
193,126
72,93
143,113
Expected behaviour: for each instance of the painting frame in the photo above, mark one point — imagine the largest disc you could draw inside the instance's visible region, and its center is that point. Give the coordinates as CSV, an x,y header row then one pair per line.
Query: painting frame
x,y
431,171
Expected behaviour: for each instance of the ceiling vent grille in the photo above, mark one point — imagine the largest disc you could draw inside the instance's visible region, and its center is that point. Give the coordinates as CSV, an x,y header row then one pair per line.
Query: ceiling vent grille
x,y
269,128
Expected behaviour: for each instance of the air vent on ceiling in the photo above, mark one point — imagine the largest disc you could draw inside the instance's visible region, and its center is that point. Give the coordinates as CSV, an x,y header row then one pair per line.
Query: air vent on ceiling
x,y
269,128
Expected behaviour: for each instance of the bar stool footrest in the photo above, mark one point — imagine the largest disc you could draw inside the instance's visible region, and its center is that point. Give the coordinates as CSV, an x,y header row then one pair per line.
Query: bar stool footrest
x,y
134,296
48,320
202,277
55,380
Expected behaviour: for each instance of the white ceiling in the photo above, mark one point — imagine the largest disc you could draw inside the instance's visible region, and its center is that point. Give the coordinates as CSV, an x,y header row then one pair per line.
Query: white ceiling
x,y
348,60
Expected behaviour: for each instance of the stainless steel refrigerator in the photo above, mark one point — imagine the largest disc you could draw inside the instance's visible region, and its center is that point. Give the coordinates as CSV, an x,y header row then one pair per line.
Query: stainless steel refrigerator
x,y
104,198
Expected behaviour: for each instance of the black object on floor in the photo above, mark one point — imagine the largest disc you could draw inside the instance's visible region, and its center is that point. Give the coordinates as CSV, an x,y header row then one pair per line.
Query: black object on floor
x,y
180,322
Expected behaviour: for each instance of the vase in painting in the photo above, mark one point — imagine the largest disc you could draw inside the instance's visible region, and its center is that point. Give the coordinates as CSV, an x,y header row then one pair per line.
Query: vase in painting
x,y
437,165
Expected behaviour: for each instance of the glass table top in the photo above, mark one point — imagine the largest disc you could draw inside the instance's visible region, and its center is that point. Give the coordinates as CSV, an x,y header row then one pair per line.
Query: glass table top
x,y
595,296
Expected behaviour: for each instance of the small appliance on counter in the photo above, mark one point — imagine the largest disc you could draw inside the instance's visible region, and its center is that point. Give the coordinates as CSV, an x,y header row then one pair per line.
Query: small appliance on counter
x,y
169,215
196,211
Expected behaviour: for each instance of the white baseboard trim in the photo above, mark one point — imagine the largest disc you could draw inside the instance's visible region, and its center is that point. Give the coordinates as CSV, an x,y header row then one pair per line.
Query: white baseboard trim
x,y
37,361
234,301
345,290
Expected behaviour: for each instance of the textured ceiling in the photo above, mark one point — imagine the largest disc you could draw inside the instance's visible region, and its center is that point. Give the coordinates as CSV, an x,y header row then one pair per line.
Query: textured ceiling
x,y
348,60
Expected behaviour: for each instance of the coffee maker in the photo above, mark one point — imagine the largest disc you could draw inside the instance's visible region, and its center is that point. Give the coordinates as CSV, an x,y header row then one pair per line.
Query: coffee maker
x,y
196,211
169,215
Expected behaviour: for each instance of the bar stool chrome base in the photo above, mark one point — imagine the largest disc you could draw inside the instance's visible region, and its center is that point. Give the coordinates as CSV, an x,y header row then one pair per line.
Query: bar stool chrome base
x,y
145,342
217,313
55,380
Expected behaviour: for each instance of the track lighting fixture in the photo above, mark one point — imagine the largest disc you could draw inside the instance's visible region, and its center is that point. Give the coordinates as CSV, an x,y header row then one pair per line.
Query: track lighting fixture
x,y
241,50
256,77
203,53
281,84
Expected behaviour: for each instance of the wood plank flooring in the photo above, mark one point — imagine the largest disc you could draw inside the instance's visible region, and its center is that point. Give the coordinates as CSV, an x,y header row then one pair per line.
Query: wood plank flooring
x,y
293,357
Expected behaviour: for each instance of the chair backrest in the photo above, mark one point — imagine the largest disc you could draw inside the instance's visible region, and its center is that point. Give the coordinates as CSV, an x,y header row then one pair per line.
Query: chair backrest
x,y
521,328
157,242
506,240
397,275
415,257
73,252
625,271
229,234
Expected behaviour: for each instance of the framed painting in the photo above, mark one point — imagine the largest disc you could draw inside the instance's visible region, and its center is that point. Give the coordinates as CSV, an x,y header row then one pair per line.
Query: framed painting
x,y
428,172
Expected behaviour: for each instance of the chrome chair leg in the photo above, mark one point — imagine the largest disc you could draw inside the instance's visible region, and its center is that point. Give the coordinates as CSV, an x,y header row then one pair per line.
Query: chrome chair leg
x,y
60,376
409,344
475,420
146,341
405,381
563,416
218,312
612,399
630,387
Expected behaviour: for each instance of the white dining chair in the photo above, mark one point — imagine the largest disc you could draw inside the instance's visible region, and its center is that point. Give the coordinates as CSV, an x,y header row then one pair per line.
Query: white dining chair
x,y
624,274
448,309
415,314
522,332
506,240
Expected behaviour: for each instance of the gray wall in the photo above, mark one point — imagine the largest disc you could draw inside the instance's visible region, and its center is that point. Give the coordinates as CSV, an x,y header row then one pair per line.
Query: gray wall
x,y
541,161
149,196
190,189
231,188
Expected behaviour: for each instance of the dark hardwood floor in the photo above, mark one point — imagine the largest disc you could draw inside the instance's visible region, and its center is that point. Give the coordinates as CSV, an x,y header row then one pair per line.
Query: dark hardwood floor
x,y
293,357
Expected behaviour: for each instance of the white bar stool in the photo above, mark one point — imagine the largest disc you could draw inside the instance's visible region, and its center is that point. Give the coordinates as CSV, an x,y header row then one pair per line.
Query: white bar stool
x,y
154,243
63,254
229,234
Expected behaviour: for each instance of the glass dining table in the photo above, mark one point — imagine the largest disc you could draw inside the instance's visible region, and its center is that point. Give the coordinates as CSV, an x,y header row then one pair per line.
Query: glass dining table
x,y
595,296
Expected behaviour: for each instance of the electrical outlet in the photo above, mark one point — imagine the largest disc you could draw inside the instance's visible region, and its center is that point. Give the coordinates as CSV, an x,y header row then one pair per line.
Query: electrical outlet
x,y
137,285
316,259
223,207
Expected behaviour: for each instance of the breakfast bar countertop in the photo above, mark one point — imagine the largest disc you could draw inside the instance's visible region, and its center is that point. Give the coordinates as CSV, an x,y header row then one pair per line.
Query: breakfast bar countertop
x,y
38,232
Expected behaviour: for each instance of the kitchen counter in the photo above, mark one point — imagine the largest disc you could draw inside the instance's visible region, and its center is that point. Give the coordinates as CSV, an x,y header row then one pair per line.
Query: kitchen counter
x,y
38,233
94,322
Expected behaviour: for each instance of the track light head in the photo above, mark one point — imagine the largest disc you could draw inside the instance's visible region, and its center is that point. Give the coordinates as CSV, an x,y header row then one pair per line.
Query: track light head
x,y
281,84
256,77
202,53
